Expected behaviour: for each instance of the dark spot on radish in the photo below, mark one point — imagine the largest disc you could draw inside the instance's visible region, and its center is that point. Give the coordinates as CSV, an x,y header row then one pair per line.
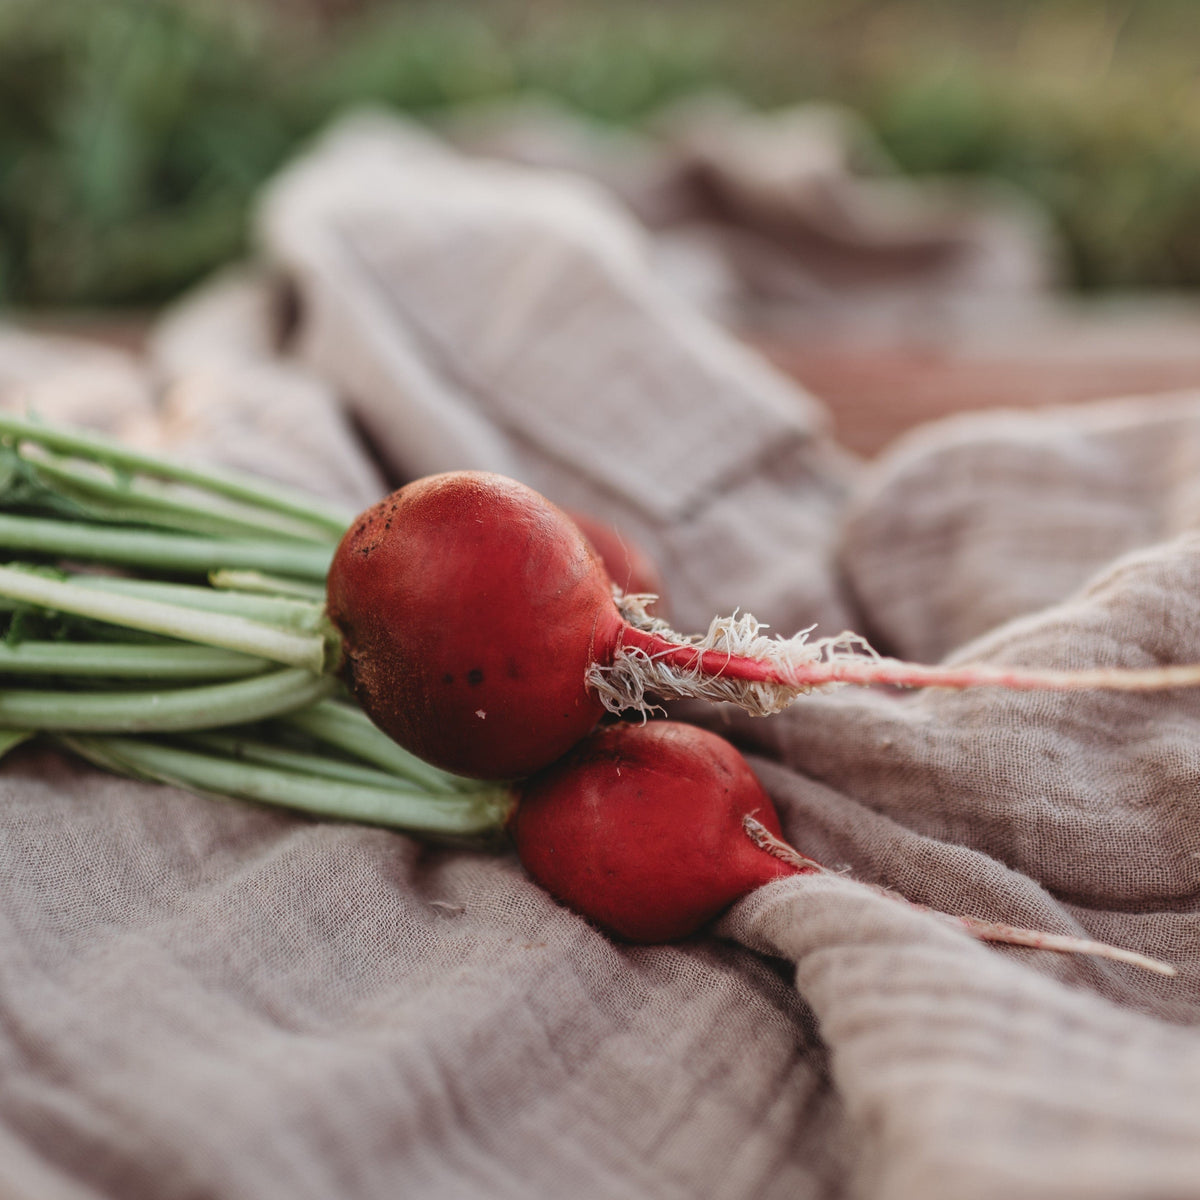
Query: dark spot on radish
x,y
447,678
474,676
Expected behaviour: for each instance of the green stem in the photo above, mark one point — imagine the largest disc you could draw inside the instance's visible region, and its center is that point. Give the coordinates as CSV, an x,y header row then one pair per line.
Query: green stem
x,y
119,660
10,739
247,749
287,612
127,502
351,730
103,450
311,651
165,551
469,815
276,585
173,710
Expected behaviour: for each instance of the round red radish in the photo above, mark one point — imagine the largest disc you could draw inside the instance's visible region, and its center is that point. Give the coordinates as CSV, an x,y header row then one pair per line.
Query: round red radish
x,y
627,564
469,607
639,829
651,831
480,631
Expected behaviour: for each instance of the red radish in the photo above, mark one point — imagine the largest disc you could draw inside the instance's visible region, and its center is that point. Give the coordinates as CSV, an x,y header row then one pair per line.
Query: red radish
x,y
640,829
628,565
471,610
481,631
650,831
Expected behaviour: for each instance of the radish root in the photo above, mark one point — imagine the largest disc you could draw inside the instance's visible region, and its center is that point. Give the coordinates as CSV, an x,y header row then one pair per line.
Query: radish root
x,y
736,662
984,931
640,675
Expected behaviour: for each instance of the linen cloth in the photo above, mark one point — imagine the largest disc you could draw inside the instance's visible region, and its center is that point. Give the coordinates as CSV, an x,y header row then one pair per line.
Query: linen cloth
x,y
206,998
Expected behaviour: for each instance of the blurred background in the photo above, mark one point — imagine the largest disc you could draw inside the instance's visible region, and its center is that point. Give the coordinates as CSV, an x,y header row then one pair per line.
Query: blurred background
x,y
135,134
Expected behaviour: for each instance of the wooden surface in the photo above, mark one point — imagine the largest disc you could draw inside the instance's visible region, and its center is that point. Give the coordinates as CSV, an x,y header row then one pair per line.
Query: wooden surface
x,y
876,396
877,389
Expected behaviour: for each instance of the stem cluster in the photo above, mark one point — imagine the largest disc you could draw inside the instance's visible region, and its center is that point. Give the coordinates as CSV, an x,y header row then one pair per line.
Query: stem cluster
x,y
168,622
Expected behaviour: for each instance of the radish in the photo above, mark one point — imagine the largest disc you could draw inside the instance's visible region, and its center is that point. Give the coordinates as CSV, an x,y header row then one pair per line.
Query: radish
x,y
640,829
627,564
481,631
471,611
650,831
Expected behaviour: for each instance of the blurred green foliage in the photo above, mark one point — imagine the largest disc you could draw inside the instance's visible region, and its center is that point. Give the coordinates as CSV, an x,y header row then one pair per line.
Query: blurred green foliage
x,y
135,133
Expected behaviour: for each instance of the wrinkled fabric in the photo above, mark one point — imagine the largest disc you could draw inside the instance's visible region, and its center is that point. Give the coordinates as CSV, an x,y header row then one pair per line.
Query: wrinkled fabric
x,y
204,997
796,217
485,315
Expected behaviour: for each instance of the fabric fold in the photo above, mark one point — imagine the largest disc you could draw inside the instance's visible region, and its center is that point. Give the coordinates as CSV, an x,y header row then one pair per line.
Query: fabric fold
x,y
967,1076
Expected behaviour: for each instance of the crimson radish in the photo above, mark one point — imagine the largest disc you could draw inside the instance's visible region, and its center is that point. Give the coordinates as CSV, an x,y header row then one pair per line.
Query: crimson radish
x,y
471,611
482,633
627,564
640,828
650,831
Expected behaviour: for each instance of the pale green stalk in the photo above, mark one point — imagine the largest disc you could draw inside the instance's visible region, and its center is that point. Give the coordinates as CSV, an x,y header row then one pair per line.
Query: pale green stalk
x,y
287,612
482,812
164,710
123,660
163,551
10,739
124,501
351,730
233,744
223,483
276,585
310,651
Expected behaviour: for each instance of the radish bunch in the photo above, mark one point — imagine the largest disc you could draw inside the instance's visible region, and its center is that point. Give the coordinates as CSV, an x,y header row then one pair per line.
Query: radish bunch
x,y
191,626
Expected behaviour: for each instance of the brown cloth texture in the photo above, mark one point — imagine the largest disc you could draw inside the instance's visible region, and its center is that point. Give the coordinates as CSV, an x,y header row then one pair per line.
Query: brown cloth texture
x,y
202,998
